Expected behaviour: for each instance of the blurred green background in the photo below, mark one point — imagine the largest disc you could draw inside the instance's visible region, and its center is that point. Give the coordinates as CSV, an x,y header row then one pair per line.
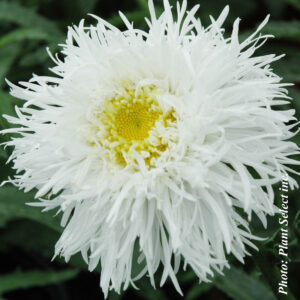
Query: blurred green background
x,y
27,237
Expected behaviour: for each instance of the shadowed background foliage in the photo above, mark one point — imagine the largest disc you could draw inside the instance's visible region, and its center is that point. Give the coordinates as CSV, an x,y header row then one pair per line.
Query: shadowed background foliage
x,y
27,237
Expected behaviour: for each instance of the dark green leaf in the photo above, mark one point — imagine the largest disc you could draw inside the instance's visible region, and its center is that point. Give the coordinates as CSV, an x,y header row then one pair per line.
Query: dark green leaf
x,y
28,279
114,296
36,238
3,154
214,8
38,56
6,103
8,54
295,3
283,29
30,236
13,12
297,223
146,291
6,107
12,204
143,4
288,68
3,220
85,7
25,34
275,8
241,286
187,276
134,16
197,290
267,261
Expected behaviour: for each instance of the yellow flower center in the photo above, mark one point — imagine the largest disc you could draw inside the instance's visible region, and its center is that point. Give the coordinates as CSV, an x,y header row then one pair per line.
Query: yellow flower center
x,y
129,123
134,121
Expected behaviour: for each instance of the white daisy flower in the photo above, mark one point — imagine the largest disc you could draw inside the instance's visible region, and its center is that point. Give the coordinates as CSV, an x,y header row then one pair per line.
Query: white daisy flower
x,y
152,142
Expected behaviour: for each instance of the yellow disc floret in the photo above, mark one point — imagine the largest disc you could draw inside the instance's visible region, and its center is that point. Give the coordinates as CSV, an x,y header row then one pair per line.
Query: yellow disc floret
x,y
135,121
129,124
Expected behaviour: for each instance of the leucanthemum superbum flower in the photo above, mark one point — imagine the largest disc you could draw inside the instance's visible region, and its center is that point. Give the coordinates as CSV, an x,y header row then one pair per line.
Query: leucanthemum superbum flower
x,y
153,141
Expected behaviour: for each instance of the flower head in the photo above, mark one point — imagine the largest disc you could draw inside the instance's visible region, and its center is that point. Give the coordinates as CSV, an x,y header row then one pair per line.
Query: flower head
x,y
152,141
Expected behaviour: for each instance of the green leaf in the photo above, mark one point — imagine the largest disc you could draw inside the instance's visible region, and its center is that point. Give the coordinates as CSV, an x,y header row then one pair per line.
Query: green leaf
x,y
296,223
36,238
295,3
13,12
146,291
6,107
137,267
275,8
113,296
8,54
4,155
28,279
13,205
30,236
39,57
22,34
215,7
187,276
143,4
240,286
134,16
288,68
3,220
75,10
267,261
294,253
85,7
197,290
36,57
283,29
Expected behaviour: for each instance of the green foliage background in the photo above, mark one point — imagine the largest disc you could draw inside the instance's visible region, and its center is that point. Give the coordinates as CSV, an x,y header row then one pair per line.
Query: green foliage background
x,y
27,237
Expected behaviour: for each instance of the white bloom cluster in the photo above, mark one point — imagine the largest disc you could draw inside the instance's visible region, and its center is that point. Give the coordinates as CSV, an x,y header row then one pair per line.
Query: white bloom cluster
x,y
152,141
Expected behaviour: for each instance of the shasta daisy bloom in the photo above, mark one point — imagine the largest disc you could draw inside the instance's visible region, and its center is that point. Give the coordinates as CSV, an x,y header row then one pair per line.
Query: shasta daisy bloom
x,y
154,141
